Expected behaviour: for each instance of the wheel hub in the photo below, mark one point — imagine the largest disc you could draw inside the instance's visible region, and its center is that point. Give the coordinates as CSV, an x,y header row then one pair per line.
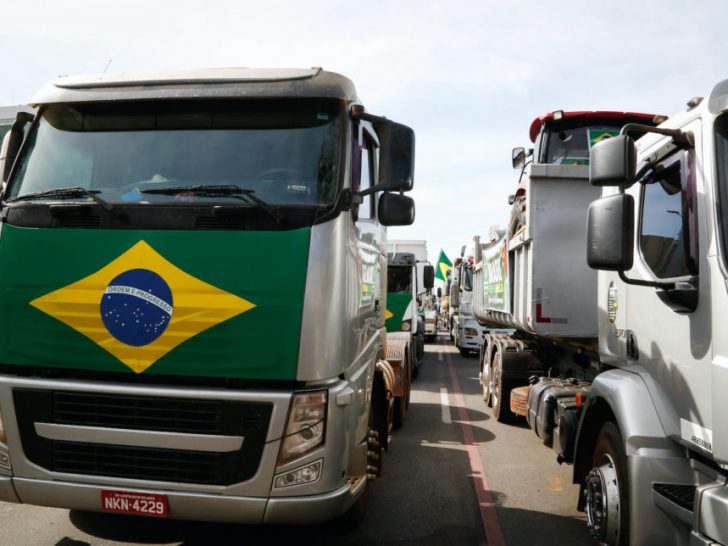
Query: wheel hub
x,y
485,380
602,502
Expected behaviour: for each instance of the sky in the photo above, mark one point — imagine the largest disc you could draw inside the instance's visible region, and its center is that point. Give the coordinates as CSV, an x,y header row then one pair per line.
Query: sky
x,y
467,76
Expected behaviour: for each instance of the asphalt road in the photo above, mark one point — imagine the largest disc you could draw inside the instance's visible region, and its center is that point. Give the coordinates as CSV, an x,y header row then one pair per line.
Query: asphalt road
x,y
453,476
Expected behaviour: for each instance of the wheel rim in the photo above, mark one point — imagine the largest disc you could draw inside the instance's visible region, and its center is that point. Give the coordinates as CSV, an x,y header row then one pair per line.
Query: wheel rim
x,y
495,380
602,501
485,380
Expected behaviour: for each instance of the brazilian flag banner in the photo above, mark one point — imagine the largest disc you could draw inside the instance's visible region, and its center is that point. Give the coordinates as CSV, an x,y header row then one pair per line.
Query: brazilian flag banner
x,y
443,266
161,302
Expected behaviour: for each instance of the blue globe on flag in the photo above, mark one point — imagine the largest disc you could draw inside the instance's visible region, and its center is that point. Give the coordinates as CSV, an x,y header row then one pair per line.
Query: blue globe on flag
x,y
137,306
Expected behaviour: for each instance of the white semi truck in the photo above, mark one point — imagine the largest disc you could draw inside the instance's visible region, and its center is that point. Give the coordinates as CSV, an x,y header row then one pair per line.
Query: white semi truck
x,y
192,320
466,332
615,376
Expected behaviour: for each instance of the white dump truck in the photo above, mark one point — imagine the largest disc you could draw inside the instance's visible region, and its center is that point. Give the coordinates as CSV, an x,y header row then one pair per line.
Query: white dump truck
x,y
192,317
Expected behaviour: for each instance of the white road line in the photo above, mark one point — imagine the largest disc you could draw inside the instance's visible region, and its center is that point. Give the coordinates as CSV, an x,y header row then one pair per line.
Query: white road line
x,y
439,356
445,406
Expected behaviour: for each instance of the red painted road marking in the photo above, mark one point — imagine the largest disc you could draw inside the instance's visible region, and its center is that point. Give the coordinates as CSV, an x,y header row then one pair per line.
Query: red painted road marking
x,y
493,534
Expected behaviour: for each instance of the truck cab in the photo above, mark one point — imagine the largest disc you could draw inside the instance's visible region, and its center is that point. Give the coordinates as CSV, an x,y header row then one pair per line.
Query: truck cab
x,y
662,295
192,323
466,332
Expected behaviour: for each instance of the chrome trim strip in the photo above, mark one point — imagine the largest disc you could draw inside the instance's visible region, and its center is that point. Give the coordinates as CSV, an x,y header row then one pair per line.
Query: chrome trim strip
x,y
139,438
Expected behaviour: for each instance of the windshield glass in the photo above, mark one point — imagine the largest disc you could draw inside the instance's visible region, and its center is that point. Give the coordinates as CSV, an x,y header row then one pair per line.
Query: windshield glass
x,y
468,280
286,151
399,279
568,143
721,144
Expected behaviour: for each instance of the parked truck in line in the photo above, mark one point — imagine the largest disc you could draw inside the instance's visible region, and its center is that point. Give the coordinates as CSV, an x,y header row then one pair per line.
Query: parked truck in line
x,y
589,385
410,279
466,332
192,319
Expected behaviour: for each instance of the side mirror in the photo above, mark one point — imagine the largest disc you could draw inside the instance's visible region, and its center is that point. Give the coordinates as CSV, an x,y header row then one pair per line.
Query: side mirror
x,y
396,210
613,162
428,277
11,144
518,157
610,233
396,156
439,292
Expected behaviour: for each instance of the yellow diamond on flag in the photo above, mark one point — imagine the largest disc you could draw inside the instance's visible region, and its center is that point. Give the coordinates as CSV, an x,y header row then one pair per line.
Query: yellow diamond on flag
x,y
388,315
141,306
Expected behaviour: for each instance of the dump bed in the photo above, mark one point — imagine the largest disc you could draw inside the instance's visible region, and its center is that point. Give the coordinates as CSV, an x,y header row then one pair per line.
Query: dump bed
x,y
537,279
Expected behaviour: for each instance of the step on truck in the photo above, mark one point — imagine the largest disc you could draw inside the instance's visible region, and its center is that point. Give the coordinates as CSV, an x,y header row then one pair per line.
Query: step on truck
x,y
192,319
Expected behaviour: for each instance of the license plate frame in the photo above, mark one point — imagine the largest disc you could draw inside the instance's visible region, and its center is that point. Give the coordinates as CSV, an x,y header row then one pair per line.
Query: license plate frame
x,y
152,505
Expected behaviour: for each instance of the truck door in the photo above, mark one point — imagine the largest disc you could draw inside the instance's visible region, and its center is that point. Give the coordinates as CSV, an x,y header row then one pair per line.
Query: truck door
x,y
368,233
668,330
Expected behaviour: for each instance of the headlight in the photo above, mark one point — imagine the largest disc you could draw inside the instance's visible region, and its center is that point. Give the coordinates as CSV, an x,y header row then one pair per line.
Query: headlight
x,y
471,332
405,326
305,427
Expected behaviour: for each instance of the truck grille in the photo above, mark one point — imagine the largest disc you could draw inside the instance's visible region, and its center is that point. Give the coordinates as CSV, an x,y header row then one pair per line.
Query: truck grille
x,y
214,417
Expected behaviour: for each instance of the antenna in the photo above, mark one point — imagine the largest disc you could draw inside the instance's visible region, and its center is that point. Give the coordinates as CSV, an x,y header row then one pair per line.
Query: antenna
x,y
107,66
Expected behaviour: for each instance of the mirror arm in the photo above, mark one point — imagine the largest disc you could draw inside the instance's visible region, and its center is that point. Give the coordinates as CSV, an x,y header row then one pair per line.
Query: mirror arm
x,y
681,139
370,190
357,112
652,284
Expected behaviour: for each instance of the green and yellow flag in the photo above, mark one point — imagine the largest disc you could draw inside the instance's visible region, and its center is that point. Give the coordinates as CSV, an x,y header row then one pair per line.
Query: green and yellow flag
x,y
443,266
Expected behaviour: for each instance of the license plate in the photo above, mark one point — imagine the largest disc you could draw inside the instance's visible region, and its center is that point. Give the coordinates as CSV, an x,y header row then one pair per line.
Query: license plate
x,y
140,504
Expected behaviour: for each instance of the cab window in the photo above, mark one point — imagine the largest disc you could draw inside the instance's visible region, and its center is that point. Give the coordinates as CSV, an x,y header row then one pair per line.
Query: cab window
x,y
667,214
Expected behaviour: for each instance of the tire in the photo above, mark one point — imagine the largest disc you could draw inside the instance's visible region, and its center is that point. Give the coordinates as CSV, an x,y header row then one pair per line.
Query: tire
x,y
464,351
610,460
401,403
380,411
500,392
485,379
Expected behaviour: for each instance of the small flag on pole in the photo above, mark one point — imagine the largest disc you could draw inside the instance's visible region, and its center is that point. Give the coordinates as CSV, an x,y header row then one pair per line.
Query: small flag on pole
x,y
443,266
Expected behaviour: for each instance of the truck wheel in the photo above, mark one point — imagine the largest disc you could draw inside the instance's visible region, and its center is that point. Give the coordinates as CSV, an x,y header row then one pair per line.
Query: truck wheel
x,y
485,379
500,389
380,411
606,489
464,351
401,403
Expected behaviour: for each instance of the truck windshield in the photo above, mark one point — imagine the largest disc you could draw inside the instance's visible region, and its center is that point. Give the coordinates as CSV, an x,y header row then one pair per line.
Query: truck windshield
x,y
569,142
399,279
721,143
468,280
286,151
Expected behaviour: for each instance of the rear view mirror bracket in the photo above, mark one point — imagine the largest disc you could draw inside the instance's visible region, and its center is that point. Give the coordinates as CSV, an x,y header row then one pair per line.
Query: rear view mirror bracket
x,y
11,144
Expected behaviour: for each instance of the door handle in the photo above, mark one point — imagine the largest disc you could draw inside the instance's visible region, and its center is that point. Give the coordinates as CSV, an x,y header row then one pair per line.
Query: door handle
x,y
632,349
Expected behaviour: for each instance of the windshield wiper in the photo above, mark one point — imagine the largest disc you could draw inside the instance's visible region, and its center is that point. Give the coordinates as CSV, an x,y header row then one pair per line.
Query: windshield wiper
x,y
66,193
219,190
